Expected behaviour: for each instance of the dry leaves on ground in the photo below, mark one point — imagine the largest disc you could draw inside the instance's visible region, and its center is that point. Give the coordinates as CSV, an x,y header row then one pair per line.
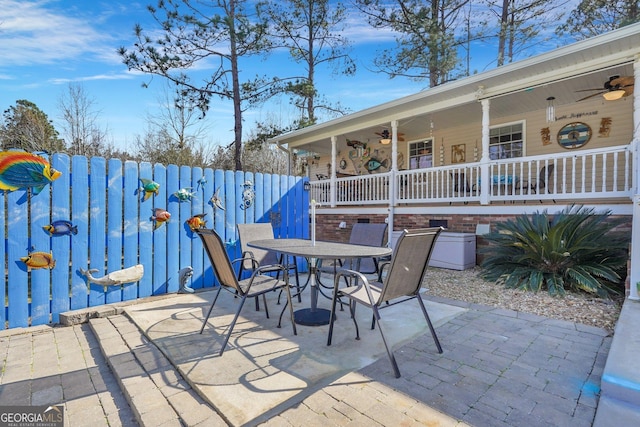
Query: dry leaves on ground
x,y
468,286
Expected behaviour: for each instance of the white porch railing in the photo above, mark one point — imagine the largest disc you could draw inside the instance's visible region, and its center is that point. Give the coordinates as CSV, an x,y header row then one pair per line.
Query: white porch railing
x,y
587,174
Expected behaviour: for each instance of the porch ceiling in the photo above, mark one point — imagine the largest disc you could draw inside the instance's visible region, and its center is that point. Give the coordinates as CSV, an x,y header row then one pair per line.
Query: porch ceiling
x,y
516,88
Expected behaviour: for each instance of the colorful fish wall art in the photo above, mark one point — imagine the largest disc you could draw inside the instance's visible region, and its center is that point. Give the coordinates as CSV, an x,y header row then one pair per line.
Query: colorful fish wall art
x,y
216,201
184,195
374,164
247,195
19,169
148,188
196,222
159,217
201,182
61,227
36,260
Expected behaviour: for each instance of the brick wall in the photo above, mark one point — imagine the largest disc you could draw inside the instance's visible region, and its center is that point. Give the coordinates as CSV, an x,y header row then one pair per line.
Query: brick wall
x,y
327,226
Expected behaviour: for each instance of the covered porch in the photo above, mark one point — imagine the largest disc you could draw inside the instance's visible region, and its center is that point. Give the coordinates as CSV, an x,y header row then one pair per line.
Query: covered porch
x,y
597,175
555,129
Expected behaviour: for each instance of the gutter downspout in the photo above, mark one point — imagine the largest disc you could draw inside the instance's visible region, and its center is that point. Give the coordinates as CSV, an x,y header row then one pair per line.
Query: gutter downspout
x,y
286,150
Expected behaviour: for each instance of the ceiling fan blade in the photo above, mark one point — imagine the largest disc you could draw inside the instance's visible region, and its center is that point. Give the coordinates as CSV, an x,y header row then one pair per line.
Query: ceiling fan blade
x,y
592,95
587,90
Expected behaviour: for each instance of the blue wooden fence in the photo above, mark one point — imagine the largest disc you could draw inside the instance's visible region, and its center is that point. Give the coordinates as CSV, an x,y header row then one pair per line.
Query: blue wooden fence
x,y
115,231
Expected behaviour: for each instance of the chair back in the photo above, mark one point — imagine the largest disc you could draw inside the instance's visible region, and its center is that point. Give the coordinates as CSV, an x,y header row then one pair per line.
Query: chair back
x,y
370,235
409,263
545,173
257,231
222,268
460,183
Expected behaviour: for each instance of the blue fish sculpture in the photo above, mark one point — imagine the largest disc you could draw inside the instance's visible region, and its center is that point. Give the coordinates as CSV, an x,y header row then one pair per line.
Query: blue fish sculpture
x,y
375,164
19,169
61,228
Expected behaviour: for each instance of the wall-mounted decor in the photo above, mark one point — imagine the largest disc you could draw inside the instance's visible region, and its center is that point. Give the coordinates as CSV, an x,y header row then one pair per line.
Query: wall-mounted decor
x,y
19,169
574,135
148,188
605,127
545,134
458,153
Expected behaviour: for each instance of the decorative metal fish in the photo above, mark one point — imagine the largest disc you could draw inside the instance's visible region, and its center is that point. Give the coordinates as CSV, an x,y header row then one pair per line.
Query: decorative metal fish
x,y
20,169
149,187
216,201
39,260
201,182
196,222
160,216
375,164
61,227
247,195
184,195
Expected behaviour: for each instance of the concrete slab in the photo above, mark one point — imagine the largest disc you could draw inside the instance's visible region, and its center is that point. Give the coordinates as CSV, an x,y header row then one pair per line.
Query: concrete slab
x,y
265,369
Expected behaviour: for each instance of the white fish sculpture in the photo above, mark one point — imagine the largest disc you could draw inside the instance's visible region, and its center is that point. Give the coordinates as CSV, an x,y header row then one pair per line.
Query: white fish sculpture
x,y
127,275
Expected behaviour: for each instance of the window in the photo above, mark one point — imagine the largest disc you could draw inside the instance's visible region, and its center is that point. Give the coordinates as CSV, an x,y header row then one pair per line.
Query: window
x,y
506,141
421,154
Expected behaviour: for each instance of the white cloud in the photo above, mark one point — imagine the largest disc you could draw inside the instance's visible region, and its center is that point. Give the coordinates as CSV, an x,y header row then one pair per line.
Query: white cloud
x,y
122,76
34,32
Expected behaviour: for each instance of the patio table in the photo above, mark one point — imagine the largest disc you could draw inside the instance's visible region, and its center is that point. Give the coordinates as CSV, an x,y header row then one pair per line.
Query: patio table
x,y
313,252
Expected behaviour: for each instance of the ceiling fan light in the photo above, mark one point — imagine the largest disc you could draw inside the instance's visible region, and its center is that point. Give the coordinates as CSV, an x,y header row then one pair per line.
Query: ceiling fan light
x,y
614,94
385,141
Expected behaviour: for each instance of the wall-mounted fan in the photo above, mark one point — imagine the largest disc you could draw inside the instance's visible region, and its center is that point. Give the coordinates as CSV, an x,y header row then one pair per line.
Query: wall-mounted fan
x,y
614,88
385,136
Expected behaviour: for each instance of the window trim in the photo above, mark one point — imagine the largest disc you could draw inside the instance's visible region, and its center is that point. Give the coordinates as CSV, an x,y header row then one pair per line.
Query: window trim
x,y
524,135
424,140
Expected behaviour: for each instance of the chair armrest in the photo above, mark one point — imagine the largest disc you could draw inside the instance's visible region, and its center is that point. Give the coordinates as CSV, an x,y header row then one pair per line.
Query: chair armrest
x,y
254,264
358,276
381,267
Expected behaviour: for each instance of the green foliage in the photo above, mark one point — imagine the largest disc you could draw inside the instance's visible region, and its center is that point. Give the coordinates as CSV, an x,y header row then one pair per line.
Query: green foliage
x,y
27,127
593,17
575,250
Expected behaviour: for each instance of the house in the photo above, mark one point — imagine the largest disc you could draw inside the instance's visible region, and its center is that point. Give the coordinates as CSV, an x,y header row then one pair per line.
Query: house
x,y
552,130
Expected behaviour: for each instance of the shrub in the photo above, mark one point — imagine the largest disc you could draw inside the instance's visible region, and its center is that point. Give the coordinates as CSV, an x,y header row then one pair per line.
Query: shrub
x,y
574,249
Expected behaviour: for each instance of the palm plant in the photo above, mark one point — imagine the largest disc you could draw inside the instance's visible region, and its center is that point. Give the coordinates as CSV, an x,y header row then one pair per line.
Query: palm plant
x,y
574,249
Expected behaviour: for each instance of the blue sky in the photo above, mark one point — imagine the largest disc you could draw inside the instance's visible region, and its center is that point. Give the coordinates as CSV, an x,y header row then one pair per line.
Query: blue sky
x,y
47,44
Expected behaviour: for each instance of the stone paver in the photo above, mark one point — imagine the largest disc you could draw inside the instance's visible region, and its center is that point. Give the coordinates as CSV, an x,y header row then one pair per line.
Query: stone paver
x,y
61,365
498,368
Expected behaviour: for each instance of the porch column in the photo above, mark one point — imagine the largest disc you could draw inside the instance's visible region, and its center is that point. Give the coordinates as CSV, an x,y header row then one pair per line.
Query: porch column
x,y
392,179
485,183
634,274
334,155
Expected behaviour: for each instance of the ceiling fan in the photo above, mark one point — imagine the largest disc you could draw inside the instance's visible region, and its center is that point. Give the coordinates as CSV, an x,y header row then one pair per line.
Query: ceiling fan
x,y
385,136
614,88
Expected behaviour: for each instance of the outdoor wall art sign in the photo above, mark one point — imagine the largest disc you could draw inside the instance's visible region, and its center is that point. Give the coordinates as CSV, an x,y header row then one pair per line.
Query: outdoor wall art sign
x,y
574,135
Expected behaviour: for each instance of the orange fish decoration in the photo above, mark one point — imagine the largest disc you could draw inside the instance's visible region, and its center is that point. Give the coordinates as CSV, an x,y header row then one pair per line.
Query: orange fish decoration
x,y
19,169
39,260
196,222
160,216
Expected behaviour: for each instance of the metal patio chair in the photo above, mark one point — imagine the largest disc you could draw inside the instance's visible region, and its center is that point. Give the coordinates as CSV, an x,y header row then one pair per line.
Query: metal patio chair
x,y
261,231
368,234
257,285
402,283
542,183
